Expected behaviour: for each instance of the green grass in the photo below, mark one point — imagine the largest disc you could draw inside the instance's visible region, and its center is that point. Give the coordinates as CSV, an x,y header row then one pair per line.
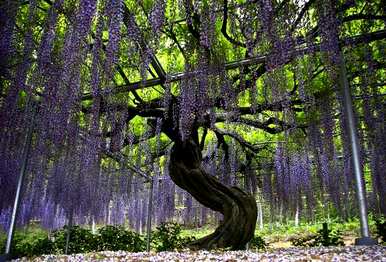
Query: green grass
x,y
198,232
287,231
270,233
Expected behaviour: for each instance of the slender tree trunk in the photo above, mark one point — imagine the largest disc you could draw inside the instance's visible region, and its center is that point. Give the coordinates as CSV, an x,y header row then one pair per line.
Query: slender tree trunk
x,y
204,215
93,226
260,214
281,214
297,215
259,207
69,227
238,208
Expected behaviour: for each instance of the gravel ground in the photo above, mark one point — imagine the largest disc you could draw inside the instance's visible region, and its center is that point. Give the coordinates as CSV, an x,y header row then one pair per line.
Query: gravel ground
x,y
348,253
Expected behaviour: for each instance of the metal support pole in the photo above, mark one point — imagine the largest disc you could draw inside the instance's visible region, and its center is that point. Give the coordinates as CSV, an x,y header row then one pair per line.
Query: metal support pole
x,y
149,211
20,182
360,187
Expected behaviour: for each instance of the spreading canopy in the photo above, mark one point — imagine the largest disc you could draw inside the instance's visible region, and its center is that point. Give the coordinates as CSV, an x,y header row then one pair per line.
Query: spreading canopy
x,y
117,83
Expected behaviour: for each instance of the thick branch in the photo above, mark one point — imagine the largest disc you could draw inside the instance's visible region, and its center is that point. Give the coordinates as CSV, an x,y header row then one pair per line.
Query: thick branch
x,y
354,17
224,27
301,14
220,132
123,160
278,125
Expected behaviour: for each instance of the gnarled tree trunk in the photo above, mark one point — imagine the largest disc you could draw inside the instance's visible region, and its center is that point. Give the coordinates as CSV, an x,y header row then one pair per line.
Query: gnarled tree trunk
x,y
238,208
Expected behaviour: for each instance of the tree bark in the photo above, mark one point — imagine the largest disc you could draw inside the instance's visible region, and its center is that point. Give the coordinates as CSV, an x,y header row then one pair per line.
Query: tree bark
x,y
238,208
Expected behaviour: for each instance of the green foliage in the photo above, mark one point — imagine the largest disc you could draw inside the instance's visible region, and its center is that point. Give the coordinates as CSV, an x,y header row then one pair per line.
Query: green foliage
x,y
304,241
117,238
324,237
197,232
258,243
380,224
33,243
3,239
81,240
285,232
167,236
108,238
32,246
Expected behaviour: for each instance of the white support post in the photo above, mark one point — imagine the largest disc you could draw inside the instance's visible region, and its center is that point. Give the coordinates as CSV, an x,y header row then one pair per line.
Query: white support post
x,y
20,182
353,136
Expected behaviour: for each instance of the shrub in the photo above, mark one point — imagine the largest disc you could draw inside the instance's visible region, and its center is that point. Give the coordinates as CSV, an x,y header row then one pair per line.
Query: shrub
x,y
81,240
304,241
167,236
258,243
380,224
3,240
108,238
324,237
28,244
117,238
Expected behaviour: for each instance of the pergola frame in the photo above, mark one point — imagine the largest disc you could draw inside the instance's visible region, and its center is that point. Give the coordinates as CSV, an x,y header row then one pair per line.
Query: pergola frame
x,y
175,77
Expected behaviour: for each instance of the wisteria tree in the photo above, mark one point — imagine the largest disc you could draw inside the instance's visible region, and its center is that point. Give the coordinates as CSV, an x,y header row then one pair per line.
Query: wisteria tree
x,y
192,88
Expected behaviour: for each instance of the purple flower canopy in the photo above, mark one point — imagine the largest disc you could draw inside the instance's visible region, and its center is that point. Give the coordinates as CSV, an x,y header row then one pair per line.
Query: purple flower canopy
x,y
107,112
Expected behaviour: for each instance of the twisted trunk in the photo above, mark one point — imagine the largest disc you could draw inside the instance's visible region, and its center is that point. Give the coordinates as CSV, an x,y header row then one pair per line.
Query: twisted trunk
x,y
238,208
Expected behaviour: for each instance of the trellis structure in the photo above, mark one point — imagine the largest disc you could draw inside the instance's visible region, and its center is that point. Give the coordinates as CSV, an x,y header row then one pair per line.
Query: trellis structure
x,y
175,77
